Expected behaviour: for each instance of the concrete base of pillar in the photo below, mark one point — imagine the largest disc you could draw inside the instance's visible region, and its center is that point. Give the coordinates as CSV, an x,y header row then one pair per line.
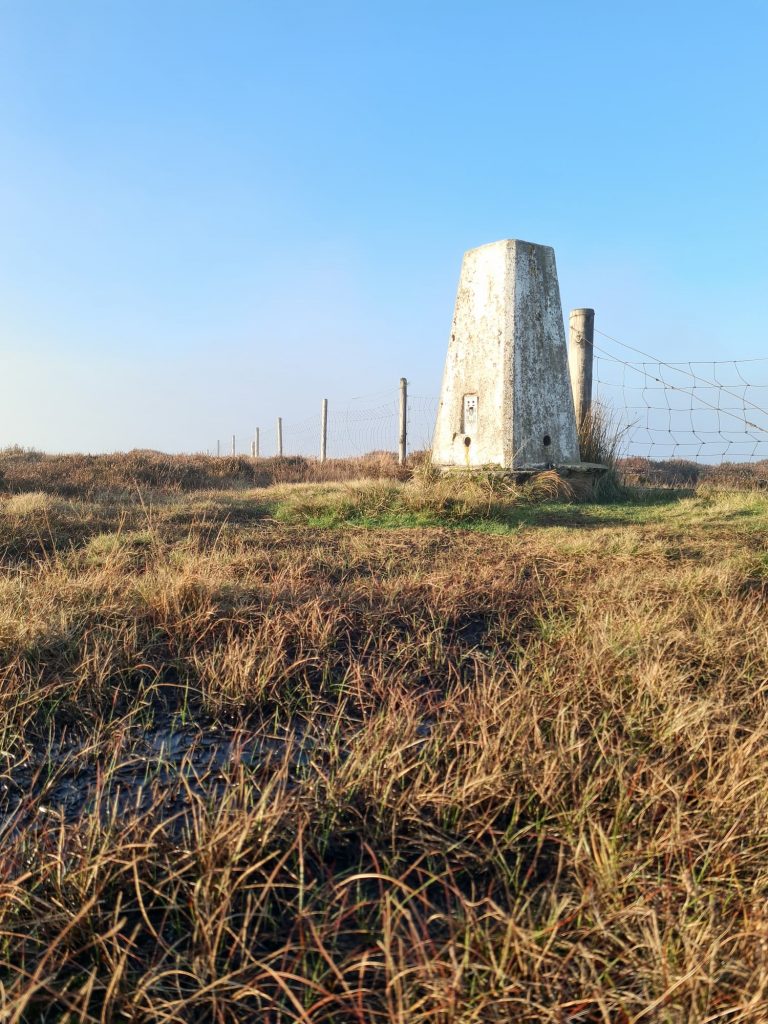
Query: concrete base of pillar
x,y
585,472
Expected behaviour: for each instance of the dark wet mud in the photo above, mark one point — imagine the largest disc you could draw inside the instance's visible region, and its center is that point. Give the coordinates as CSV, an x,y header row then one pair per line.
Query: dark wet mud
x,y
162,769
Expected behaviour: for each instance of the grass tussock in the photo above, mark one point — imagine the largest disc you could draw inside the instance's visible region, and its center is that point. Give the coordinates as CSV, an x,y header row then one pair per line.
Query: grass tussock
x,y
600,441
429,498
252,770
600,436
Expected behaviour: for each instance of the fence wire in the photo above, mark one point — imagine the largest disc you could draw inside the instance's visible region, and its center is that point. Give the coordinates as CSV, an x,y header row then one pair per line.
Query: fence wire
x,y
699,410
364,425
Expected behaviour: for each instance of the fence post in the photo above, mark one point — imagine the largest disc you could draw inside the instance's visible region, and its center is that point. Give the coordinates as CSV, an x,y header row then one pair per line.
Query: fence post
x,y
280,435
324,430
255,444
233,446
403,432
581,337
218,447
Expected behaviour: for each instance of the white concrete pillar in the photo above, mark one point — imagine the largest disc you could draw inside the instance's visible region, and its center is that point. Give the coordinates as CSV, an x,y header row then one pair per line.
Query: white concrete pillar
x,y
506,396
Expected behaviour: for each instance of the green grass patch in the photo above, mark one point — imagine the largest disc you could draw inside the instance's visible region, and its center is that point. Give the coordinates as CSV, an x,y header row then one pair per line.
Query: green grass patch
x,y
393,505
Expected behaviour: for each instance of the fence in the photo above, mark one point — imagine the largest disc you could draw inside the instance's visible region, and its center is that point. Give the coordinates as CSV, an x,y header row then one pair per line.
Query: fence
x,y
705,411
359,426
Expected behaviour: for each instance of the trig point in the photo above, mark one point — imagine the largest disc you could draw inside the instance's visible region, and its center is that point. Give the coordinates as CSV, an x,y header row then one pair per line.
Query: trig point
x,y
506,398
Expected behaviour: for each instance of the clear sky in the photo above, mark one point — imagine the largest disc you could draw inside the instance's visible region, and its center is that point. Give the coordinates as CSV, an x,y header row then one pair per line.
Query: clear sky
x,y
216,211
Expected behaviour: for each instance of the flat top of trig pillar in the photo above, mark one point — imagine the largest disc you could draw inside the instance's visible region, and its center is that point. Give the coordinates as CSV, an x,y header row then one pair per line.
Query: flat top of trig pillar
x,y
510,242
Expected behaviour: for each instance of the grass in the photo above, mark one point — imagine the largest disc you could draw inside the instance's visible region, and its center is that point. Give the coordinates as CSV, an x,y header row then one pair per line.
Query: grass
x,y
383,751
121,475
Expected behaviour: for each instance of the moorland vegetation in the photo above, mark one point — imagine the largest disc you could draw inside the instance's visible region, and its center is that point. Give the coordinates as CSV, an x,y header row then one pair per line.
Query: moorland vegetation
x,y
284,747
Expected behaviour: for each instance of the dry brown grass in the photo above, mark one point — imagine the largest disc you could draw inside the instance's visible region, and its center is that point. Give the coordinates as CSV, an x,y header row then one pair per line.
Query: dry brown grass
x,y
120,474
261,772
600,436
683,473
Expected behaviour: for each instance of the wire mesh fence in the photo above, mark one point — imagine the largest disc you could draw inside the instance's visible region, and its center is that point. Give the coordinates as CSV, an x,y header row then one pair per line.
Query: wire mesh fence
x,y
302,437
366,424
360,426
710,411
707,411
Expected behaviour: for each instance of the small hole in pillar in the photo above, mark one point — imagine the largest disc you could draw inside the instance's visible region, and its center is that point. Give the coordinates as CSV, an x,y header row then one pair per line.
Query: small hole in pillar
x,y
547,440
467,441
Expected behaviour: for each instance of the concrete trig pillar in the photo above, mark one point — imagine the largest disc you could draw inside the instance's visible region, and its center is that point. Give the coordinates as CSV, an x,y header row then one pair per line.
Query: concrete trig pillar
x,y
581,339
506,397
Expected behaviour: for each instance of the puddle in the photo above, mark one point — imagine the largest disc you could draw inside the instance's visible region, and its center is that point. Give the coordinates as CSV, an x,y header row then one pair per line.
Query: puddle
x,y
160,768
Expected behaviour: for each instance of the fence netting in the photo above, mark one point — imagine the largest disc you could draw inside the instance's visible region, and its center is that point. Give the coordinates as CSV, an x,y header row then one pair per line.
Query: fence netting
x,y
361,425
698,410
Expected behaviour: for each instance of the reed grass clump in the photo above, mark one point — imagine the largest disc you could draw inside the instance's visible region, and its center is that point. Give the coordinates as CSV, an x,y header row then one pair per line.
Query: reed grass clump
x,y
600,436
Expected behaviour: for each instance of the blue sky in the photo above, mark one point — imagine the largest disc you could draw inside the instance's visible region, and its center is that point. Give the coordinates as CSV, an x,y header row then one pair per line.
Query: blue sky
x,y
216,212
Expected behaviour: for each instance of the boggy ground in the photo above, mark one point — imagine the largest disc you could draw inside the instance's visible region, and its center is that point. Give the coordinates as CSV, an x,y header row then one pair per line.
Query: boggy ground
x,y
254,768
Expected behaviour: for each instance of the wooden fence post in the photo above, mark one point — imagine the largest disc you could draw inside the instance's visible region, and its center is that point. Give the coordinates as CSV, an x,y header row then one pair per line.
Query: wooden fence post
x,y
403,431
324,430
581,339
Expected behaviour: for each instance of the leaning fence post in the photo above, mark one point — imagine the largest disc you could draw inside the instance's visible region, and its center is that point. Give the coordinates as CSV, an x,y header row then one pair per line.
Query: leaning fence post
x,y
279,435
581,338
403,432
323,429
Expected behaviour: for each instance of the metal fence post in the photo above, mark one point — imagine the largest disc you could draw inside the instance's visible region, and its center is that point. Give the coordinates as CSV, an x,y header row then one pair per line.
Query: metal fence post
x,y
324,430
403,432
581,338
